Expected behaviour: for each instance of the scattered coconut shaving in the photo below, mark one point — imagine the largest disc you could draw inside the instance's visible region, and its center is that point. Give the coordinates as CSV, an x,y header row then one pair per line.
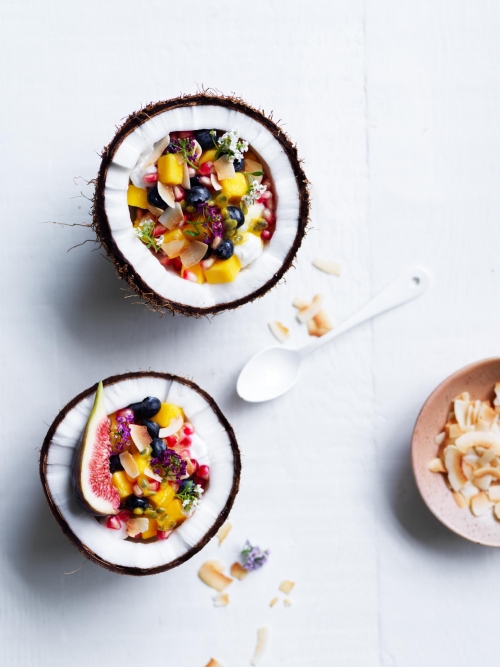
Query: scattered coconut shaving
x,y
286,586
469,454
166,192
238,571
287,602
221,600
211,575
273,602
301,303
174,426
310,311
136,526
279,331
224,168
224,531
327,266
214,663
263,637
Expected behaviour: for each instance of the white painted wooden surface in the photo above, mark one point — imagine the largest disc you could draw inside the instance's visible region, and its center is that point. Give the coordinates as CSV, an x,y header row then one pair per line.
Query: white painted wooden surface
x,y
394,106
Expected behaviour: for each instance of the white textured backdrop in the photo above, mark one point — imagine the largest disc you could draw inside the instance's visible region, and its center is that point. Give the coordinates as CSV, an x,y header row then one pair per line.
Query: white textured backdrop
x,y
395,109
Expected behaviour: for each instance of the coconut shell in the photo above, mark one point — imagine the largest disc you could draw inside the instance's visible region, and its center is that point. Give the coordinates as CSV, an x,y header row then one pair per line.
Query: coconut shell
x,y
66,528
101,224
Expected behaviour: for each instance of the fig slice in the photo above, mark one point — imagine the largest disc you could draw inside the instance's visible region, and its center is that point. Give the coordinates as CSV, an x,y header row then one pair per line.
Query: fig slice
x,y
91,475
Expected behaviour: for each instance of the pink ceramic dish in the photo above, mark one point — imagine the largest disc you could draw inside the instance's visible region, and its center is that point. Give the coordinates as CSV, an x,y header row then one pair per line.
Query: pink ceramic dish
x,y
478,379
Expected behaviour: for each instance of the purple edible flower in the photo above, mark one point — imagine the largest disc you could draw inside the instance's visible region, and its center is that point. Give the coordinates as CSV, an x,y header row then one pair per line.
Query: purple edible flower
x,y
253,557
170,465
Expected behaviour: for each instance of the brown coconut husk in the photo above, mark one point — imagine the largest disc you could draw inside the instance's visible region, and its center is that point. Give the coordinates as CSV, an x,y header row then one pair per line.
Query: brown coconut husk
x,y
101,224
66,528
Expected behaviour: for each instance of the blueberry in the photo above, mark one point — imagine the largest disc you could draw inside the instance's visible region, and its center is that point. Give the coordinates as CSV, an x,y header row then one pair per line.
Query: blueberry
x,y
153,427
204,138
194,181
224,250
185,484
150,406
154,198
239,164
171,148
236,214
158,446
208,253
133,502
115,463
197,195
137,410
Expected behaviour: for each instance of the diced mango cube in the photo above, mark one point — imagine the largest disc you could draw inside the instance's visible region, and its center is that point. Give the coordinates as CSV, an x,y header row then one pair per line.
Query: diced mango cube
x,y
165,522
173,235
137,196
234,187
163,497
208,156
142,461
170,172
121,483
151,530
223,270
174,511
195,270
167,412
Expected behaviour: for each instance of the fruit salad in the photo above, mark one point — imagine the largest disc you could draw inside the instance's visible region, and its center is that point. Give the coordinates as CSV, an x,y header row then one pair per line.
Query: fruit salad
x,y
203,204
135,469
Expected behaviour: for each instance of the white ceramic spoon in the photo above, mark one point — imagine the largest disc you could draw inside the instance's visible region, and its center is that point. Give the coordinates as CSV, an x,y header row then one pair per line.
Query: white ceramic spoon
x,y
273,371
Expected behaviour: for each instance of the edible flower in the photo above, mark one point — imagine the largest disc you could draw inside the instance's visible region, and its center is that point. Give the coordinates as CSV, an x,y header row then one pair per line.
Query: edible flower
x,y
253,557
190,496
169,465
255,190
231,145
145,233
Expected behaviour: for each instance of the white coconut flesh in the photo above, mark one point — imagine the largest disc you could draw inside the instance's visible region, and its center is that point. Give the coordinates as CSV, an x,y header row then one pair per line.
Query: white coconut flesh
x,y
211,446
137,146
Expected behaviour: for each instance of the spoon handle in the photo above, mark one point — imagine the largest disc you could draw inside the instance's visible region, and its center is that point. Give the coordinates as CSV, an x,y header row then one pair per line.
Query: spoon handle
x,y
410,284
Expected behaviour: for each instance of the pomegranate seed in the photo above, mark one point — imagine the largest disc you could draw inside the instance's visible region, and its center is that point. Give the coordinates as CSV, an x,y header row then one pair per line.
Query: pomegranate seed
x,y
179,193
165,261
171,440
268,216
184,453
163,534
191,172
205,168
177,264
187,429
204,472
124,515
199,480
186,441
189,275
150,178
114,523
267,234
154,485
207,263
184,134
159,230
137,491
195,465
204,180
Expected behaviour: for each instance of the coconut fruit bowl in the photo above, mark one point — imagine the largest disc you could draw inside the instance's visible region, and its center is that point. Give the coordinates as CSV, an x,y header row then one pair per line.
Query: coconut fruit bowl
x,y
201,203
139,485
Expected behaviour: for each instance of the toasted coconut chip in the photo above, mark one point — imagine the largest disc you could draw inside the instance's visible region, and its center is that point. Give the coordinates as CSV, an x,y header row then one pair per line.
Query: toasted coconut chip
x,y
217,564
180,158
480,504
279,331
139,436
173,248
172,217
459,499
174,426
193,254
453,464
166,192
439,439
478,439
323,321
436,465
486,458
221,600
469,491
213,577
482,472
136,526
263,637
129,464
454,431
494,493
251,166
300,303
197,149
152,475
213,663
464,396
286,586
186,182
470,416
154,210
306,314
328,266
471,459
238,571
312,328
496,510
224,168
158,149
460,409
215,182
224,531
467,470
273,602
287,602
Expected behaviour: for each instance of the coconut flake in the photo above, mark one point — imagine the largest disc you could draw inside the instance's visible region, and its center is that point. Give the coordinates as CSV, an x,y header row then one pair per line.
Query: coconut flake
x,y
136,526
166,192
286,586
327,266
488,471
273,602
193,254
251,166
323,321
279,331
213,663
306,314
263,636
174,426
439,439
129,464
173,248
459,499
480,504
152,475
213,577
158,149
215,182
300,303
221,600
154,210
140,436
453,464
238,571
478,439
287,602
186,182
172,217
436,465
312,328
494,493
224,168
224,531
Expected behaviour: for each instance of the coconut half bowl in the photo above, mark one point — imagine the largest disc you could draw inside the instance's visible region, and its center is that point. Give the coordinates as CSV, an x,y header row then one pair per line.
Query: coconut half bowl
x,y
82,528
134,263
479,380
